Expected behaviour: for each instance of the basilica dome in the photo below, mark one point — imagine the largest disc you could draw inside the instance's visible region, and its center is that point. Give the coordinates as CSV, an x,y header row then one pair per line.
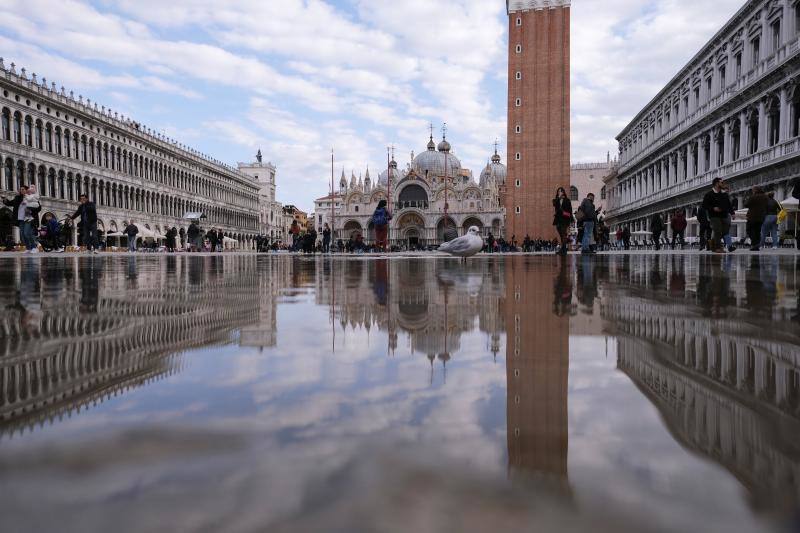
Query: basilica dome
x,y
433,162
396,176
494,170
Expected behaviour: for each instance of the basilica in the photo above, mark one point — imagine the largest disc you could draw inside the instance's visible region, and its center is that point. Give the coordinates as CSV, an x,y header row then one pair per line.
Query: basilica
x,y
431,195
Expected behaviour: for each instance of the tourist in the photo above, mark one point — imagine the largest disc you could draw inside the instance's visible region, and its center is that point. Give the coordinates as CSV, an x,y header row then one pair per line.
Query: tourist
x,y
757,206
770,226
704,234
220,241
490,243
587,214
380,221
728,238
718,205
562,218
678,224
14,204
88,226
656,227
131,231
28,217
626,238
195,242
212,239
326,238
294,231
171,236
50,234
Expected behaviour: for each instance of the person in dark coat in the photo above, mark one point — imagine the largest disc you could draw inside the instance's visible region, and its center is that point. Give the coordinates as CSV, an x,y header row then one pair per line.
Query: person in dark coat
x,y
757,206
589,219
213,239
131,231
704,235
15,202
326,238
718,205
770,226
657,227
562,218
193,237
171,236
88,213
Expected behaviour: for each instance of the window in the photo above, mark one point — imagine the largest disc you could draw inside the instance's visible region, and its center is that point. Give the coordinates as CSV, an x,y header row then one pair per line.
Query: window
x,y
519,75
518,156
756,51
721,78
603,193
776,35
519,21
518,102
517,210
708,87
591,176
573,193
519,49
738,61
518,183
696,97
518,129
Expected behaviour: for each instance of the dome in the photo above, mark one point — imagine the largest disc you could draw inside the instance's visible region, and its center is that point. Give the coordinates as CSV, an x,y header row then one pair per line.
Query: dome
x,y
434,162
396,176
495,170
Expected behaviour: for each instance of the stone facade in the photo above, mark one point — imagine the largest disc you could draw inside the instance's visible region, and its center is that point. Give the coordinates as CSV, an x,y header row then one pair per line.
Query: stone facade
x,y
731,112
538,113
585,178
419,193
270,211
69,145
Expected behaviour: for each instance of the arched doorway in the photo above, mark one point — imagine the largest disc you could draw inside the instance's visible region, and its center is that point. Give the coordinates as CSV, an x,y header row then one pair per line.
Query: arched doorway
x,y
471,221
352,229
411,228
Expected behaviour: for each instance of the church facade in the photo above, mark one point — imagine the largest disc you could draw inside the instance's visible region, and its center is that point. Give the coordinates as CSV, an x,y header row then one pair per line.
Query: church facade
x,y
433,194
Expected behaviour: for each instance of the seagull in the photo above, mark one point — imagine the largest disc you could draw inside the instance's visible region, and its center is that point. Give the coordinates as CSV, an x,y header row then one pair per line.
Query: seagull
x,y
466,246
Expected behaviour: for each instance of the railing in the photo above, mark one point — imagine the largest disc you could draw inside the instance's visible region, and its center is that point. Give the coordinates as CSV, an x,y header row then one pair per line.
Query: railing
x,y
412,204
726,171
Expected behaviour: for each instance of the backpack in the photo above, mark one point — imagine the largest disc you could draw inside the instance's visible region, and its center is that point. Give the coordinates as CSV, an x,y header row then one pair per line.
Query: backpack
x,y
580,216
379,217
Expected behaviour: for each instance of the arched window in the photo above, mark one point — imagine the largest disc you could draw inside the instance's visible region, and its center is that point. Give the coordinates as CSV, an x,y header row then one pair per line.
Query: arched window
x,y
17,128
603,193
28,131
48,137
6,124
38,135
573,193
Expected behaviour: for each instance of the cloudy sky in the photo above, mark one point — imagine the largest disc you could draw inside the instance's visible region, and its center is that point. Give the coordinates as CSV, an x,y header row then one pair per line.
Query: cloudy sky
x,y
297,77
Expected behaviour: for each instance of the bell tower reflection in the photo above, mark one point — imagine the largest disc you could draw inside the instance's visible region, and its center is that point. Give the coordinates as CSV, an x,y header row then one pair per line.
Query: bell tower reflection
x,y
537,368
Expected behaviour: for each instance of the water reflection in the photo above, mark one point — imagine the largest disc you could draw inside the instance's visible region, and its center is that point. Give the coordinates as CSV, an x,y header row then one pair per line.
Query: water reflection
x,y
300,371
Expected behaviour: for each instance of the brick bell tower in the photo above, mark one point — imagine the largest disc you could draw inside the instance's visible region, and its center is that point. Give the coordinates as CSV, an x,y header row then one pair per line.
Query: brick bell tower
x,y
538,114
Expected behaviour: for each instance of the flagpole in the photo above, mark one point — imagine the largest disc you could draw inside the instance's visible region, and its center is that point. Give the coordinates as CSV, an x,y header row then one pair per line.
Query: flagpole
x,y
333,205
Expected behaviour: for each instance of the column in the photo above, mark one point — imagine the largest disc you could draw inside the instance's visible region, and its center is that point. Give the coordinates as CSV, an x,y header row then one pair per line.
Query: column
x,y
744,134
680,161
726,144
690,161
783,131
762,125
701,155
673,169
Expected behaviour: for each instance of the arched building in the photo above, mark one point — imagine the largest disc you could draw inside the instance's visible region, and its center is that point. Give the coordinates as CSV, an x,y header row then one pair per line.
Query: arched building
x,y
68,146
433,179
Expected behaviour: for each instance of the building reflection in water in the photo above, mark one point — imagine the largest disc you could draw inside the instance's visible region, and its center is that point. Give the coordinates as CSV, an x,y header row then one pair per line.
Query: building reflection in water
x,y
714,347
75,332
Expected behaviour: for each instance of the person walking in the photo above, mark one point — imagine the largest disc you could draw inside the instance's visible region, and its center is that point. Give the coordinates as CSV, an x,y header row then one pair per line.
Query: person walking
x,y
626,238
562,218
294,231
704,233
171,236
326,238
587,215
678,224
770,226
757,206
88,213
28,215
193,237
380,221
718,205
657,227
212,239
131,231
14,204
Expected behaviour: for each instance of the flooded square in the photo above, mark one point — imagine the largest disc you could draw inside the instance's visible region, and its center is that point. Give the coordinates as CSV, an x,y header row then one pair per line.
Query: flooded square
x,y
634,392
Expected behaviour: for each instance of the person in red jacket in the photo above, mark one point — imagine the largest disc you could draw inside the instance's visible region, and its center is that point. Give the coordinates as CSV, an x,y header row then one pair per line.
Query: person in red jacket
x,y
678,225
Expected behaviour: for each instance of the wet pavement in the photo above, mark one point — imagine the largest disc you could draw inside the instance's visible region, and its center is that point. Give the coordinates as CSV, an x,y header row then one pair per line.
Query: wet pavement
x,y
635,392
